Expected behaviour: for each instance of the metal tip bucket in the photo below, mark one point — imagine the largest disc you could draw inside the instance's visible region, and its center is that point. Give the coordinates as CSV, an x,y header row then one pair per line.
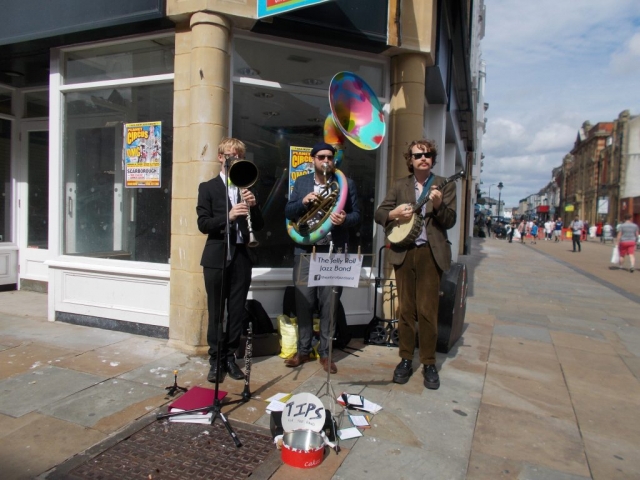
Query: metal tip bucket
x,y
302,449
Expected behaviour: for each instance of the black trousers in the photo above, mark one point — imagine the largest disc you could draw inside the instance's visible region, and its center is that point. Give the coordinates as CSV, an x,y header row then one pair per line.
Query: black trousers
x,y
576,241
237,283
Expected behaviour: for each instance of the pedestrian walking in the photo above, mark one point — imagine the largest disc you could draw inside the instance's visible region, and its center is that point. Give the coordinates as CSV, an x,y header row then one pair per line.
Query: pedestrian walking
x,y
522,229
548,229
626,240
557,233
534,231
576,232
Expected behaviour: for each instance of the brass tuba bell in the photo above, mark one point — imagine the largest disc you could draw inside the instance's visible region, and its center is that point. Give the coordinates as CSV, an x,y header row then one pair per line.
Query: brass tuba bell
x,y
356,114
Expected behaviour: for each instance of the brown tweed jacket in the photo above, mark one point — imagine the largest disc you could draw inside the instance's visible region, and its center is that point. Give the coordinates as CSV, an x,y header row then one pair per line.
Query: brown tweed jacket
x,y
402,191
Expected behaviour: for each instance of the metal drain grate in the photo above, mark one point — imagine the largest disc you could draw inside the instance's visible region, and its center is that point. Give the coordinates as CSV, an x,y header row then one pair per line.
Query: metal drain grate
x,y
166,450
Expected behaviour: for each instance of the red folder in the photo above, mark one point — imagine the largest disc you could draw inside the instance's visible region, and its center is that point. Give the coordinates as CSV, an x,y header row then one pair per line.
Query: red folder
x,y
195,397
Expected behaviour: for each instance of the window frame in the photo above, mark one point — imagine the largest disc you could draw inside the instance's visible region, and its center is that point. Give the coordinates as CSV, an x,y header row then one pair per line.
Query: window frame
x,y
57,129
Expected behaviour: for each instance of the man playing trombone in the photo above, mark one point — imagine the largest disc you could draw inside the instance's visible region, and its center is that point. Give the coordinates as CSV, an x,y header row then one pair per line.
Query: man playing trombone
x,y
243,216
307,191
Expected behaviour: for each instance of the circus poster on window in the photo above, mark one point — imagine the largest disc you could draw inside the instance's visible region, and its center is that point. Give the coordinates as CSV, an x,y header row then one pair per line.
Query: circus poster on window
x,y
142,154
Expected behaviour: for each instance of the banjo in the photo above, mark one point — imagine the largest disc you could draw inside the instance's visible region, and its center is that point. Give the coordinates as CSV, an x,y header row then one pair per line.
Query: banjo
x,y
405,233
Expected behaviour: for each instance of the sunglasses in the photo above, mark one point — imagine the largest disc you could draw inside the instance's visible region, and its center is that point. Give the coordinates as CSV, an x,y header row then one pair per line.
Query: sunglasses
x,y
419,155
324,157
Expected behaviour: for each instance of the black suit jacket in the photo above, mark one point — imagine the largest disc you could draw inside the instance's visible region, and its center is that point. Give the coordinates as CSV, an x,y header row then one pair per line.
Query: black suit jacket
x,y
212,217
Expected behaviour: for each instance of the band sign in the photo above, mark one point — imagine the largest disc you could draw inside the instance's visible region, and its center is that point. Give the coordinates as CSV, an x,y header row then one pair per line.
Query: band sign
x,y
266,8
337,269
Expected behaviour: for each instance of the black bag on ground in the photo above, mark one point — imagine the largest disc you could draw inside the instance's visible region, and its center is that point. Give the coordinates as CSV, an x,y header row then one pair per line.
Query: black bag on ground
x,y
256,314
342,334
452,307
289,302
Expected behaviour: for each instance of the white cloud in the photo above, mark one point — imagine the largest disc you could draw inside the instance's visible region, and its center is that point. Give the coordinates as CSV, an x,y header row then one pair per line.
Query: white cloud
x,y
628,59
552,137
551,65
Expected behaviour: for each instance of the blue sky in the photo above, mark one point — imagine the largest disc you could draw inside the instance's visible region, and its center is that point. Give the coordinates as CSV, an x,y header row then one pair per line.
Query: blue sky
x,y
551,65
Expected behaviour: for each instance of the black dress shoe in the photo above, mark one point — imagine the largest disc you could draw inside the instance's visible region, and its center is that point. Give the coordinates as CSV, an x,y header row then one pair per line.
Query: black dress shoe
x,y
403,371
212,374
234,370
431,377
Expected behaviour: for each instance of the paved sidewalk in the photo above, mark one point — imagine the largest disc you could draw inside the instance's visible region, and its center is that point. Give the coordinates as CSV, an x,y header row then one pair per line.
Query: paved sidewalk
x,y
594,259
544,383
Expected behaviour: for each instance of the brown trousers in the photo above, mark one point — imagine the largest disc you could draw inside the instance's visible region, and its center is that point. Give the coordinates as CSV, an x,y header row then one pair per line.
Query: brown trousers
x,y
418,280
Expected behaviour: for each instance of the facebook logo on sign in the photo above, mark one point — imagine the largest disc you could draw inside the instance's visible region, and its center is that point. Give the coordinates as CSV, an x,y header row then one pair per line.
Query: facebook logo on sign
x,y
317,277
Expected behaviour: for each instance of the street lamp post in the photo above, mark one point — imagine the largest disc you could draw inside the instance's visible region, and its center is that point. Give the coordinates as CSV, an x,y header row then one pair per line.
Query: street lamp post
x,y
500,185
490,204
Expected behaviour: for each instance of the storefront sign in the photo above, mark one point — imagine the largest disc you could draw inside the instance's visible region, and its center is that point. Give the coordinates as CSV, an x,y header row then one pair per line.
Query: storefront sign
x,y
603,206
336,269
266,8
300,163
142,154
568,208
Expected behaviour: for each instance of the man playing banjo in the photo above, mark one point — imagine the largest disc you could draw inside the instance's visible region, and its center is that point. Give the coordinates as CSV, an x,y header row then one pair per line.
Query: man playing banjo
x,y
420,259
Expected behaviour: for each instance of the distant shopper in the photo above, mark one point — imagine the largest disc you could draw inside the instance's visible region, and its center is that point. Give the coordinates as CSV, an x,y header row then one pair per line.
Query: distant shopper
x,y
576,232
522,229
585,230
548,229
626,240
557,233
534,231
607,232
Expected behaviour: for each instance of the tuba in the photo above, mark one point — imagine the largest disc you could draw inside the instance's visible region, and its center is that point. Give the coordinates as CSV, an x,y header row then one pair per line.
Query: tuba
x,y
356,114
244,174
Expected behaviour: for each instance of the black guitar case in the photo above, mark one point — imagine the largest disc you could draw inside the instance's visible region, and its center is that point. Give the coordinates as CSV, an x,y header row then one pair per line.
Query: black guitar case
x,y
452,306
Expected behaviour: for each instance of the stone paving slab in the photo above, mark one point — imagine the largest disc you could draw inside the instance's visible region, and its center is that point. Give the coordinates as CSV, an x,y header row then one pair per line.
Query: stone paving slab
x,y
103,400
36,389
29,356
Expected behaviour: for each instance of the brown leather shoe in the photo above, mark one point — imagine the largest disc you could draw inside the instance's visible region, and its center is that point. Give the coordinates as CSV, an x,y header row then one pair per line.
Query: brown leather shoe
x,y
324,361
297,360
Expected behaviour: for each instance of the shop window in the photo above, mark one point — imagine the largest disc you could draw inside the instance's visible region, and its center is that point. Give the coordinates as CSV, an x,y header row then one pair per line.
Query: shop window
x,y
38,182
5,101
103,217
280,100
36,104
291,66
124,60
5,180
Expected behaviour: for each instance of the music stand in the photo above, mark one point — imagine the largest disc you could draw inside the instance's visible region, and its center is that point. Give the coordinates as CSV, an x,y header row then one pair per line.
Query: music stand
x,y
216,407
303,280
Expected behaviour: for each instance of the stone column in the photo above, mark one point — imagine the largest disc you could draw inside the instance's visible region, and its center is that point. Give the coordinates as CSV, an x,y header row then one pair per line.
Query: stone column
x,y
406,123
406,118
201,119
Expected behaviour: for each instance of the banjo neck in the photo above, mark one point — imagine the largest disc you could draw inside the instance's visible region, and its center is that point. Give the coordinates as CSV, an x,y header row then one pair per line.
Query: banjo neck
x,y
418,205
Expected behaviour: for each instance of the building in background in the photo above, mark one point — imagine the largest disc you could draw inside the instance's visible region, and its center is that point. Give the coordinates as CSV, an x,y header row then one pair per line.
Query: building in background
x,y
74,83
600,178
